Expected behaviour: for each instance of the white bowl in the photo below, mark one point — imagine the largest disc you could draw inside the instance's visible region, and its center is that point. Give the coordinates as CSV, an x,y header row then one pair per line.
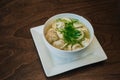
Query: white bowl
x,y
69,15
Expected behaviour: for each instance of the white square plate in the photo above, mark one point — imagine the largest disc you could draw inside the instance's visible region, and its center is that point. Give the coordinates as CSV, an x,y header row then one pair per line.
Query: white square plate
x,y
53,65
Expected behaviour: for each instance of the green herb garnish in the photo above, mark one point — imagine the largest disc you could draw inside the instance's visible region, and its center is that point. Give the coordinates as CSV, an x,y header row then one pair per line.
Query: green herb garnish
x,y
70,33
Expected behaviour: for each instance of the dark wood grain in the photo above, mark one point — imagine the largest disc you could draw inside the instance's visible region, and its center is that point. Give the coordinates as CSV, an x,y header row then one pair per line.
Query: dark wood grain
x,y
18,56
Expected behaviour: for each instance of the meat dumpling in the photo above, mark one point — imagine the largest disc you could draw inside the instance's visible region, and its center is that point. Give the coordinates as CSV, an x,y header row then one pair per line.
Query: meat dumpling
x,y
66,19
51,35
85,42
68,47
77,25
60,35
76,46
58,24
59,44
84,29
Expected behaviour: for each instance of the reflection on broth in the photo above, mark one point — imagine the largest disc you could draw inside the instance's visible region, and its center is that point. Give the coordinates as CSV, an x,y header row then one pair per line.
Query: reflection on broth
x,y
68,34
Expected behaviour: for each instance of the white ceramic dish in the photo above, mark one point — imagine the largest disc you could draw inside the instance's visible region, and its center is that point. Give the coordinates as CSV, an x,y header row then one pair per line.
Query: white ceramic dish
x,y
53,64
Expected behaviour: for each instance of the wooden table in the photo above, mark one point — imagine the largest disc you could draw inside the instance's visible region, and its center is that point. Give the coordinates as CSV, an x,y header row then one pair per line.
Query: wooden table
x,y
19,59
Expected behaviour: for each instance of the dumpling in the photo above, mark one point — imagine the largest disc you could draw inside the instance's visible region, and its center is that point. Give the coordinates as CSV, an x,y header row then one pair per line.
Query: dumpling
x,y
84,29
68,47
66,19
59,44
76,46
51,35
85,42
58,24
60,35
77,25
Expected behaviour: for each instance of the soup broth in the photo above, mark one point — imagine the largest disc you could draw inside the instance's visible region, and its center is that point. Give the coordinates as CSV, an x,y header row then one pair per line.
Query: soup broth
x,y
68,34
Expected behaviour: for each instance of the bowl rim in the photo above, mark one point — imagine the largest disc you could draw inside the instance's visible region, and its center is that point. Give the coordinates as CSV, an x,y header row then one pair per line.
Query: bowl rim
x,y
91,38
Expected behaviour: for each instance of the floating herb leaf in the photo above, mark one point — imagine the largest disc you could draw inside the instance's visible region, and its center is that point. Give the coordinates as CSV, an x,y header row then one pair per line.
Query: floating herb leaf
x,y
70,33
